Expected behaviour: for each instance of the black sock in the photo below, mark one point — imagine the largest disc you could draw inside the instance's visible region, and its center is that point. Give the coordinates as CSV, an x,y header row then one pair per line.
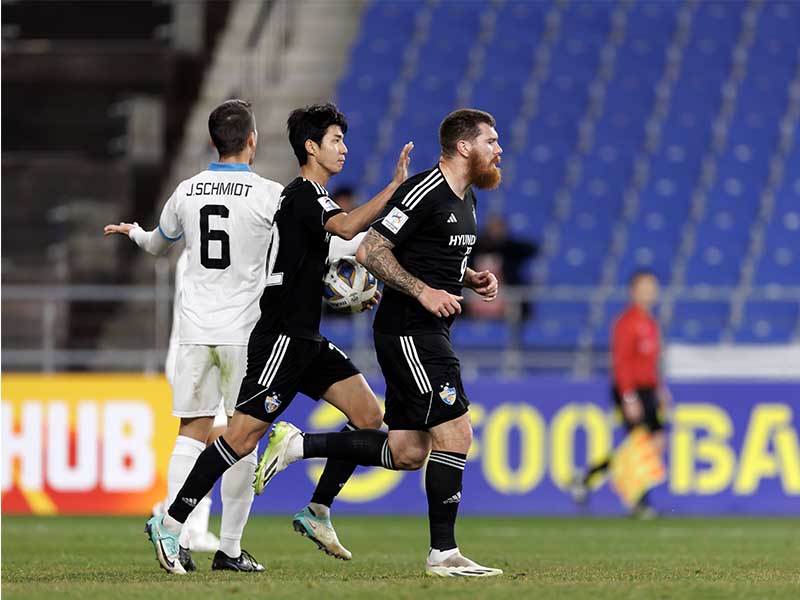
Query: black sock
x,y
211,464
443,487
595,469
335,475
367,447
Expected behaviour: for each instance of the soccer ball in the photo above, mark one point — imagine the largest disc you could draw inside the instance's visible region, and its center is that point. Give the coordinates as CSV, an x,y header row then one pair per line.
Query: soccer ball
x,y
348,286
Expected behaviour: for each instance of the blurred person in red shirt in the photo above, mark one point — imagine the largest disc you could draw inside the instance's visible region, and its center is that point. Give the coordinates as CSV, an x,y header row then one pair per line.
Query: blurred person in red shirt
x,y
637,388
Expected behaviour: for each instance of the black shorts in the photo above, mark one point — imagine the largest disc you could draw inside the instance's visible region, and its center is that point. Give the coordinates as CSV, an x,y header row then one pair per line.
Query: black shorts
x,y
647,396
423,380
279,366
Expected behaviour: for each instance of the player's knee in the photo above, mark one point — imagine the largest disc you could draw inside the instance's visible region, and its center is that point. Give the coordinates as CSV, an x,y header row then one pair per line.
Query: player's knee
x,y
457,438
409,458
243,442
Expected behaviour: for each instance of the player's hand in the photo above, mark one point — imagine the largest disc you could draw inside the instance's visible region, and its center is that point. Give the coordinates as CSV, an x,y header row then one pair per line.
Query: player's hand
x,y
632,408
401,170
373,302
485,284
440,302
122,229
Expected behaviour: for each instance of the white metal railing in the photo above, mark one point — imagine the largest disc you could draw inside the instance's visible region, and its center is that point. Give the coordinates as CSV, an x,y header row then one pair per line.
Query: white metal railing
x,y
143,346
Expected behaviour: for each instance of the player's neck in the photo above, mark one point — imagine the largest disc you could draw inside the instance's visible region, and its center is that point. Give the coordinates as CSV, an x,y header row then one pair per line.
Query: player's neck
x,y
241,158
457,180
315,173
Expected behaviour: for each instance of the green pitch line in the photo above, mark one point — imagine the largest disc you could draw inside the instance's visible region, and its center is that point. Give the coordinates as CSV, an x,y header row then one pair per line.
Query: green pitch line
x,y
543,558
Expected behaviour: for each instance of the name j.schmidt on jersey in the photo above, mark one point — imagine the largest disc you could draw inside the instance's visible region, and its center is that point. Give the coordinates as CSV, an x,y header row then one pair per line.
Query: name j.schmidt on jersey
x,y
229,188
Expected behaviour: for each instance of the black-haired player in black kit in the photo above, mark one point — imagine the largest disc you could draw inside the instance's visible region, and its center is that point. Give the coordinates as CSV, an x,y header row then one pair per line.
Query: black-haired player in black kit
x,y
286,353
420,248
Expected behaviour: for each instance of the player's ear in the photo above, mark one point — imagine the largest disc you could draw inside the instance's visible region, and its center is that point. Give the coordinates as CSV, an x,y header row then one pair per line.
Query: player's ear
x,y
463,147
311,147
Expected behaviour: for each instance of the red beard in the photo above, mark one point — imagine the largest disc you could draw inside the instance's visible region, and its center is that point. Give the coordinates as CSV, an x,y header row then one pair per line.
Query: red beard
x,y
483,176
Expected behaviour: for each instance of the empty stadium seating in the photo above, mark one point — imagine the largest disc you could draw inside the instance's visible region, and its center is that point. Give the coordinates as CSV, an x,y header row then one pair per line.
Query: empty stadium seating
x,y
654,135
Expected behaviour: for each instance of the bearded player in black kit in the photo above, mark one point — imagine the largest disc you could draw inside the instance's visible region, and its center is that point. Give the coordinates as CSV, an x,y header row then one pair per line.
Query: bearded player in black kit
x,y
419,248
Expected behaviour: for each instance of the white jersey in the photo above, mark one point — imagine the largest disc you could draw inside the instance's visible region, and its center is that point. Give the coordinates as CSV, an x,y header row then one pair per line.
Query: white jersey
x,y
226,215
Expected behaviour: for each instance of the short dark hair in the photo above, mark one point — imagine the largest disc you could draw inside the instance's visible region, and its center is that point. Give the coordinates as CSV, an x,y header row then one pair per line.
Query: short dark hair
x,y
462,124
311,123
230,124
639,274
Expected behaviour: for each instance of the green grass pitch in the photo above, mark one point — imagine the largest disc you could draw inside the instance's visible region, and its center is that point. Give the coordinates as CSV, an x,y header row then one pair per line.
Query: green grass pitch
x,y
109,557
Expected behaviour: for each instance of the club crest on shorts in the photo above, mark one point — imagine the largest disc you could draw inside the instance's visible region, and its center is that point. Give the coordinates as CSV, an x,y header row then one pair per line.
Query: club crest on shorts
x,y
272,403
448,394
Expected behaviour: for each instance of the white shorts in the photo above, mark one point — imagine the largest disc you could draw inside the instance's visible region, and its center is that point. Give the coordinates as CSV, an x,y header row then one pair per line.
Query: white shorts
x,y
205,374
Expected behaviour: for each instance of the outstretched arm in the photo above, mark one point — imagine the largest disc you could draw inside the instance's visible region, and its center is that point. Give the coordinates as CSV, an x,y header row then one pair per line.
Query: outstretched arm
x,y
154,242
375,253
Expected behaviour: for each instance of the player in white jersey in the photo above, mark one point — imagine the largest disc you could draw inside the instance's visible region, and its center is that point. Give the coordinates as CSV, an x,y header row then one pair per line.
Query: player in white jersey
x,y
198,537
225,213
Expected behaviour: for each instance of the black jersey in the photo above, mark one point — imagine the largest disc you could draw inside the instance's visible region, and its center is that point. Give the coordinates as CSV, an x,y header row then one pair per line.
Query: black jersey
x,y
433,232
292,301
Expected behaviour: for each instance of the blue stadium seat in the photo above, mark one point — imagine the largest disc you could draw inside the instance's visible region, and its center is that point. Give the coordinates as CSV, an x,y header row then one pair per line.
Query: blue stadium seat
x,y
736,196
457,19
653,228
725,231
712,265
471,333
555,325
633,93
668,196
769,322
779,20
564,94
784,228
577,264
787,195
653,21
698,322
779,265
501,94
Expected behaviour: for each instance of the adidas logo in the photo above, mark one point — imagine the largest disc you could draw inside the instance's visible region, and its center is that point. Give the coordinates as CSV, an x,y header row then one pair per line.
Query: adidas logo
x,y
190,501
454,499
452,218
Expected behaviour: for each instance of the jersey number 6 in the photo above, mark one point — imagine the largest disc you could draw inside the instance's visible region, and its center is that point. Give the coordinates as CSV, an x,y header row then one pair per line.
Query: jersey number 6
x,y
207,235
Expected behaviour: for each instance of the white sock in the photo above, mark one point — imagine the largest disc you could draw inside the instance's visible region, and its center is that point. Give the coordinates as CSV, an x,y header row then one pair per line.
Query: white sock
x,y
183,457
294,452
197,523
172,525
237,497
320,510
437,556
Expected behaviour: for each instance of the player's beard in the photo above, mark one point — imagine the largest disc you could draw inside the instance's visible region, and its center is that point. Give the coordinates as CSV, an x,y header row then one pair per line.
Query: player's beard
x,y
482,175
